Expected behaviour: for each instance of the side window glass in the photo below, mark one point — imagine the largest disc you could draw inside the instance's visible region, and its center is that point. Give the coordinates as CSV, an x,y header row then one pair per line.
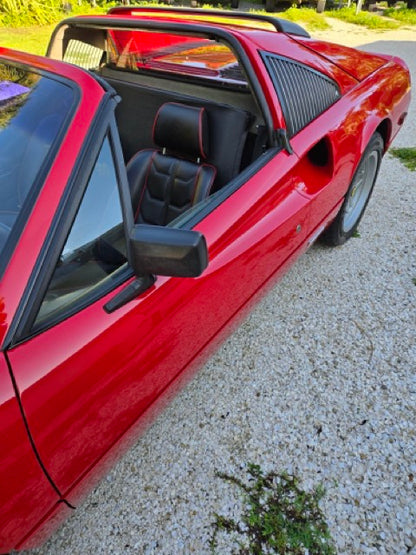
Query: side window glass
x,y
95,247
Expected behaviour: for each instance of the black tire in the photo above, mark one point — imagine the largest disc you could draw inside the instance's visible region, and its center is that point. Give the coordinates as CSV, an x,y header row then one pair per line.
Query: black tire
x,y
234,3
357,196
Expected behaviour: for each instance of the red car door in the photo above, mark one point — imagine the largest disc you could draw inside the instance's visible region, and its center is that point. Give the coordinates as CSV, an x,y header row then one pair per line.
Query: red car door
x,y
19,471
86,376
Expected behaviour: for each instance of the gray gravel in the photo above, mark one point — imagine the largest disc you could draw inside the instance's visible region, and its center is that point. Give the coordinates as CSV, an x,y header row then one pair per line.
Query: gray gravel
x,y
331,348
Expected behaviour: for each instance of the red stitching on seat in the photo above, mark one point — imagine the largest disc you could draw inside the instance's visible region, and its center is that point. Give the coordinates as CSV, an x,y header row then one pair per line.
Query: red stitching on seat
x,y
155,121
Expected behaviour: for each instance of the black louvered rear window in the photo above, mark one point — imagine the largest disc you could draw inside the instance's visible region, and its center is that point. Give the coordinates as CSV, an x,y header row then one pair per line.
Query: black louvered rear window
x,y
304,93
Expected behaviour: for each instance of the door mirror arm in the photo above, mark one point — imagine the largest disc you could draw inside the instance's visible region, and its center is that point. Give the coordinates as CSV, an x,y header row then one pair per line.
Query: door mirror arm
x,y
130,292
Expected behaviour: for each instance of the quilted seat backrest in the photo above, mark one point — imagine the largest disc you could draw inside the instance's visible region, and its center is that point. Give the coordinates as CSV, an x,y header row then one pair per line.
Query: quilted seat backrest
x,y
165,183
228,125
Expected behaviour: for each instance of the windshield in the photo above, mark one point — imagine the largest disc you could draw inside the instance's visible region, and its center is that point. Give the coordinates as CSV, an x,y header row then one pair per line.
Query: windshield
x,y
33,109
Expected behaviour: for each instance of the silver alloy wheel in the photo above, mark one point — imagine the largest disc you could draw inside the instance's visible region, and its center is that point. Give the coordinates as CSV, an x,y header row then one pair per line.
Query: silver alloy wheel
x,y
358,194
360,190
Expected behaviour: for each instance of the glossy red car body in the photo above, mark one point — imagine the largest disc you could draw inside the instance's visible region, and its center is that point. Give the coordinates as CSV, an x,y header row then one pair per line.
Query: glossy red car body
x,y
75,391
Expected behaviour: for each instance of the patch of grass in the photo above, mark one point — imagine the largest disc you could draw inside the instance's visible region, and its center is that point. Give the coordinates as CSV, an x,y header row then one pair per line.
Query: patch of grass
x,y
85,7
308,17
29,39
406,155
403,15
279,517
35,38
366,19
356,233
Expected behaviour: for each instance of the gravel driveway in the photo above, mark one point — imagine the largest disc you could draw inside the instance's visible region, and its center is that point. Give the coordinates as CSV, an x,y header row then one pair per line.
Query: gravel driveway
x,y
319,381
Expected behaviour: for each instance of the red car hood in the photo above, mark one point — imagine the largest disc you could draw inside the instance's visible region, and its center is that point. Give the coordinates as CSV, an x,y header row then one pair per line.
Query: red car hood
x,y
356,63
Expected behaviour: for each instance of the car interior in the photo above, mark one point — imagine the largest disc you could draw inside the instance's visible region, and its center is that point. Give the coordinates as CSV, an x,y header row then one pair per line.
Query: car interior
x,y
189,124
173,88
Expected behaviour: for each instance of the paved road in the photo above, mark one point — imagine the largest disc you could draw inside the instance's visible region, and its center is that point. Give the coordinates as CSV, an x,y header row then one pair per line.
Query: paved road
x,y
319,381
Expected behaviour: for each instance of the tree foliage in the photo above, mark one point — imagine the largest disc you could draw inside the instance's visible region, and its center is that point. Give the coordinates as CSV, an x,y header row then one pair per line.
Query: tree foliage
x,y
16,13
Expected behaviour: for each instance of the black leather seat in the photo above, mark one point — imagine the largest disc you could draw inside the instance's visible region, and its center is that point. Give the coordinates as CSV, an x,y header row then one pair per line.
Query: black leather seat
x,y
167,181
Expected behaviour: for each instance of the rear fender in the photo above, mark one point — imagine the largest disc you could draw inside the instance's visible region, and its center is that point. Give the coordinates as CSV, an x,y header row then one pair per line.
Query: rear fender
x,y
383,104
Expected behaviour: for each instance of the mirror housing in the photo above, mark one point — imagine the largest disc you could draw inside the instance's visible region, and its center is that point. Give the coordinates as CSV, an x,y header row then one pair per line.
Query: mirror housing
x,y
167,251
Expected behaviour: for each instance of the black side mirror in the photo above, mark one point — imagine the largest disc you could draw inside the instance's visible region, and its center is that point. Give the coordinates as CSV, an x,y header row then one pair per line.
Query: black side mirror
x,y
167,251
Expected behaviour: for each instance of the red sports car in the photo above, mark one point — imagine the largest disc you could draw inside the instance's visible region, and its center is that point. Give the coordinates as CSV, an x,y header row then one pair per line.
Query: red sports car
x,y
159,169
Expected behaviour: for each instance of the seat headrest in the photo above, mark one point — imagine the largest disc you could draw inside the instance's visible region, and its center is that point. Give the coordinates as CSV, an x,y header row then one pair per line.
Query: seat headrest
x,y
182,129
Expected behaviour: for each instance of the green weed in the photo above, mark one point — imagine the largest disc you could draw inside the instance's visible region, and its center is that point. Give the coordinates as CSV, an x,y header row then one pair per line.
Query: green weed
x,y
28,12
278,517
305,16
366,19
406,155
25,13
403,15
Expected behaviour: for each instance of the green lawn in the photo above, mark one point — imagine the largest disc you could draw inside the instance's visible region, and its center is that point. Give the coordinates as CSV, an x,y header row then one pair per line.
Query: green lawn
x,y
365,19
28,39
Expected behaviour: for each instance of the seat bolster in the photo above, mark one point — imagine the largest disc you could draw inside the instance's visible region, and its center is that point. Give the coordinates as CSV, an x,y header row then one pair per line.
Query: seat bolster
x,y
138,169
204,181
228,133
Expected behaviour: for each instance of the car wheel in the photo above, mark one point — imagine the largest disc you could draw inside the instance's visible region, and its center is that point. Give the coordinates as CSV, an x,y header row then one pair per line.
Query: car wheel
x,y
358,194
234,3
270,5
